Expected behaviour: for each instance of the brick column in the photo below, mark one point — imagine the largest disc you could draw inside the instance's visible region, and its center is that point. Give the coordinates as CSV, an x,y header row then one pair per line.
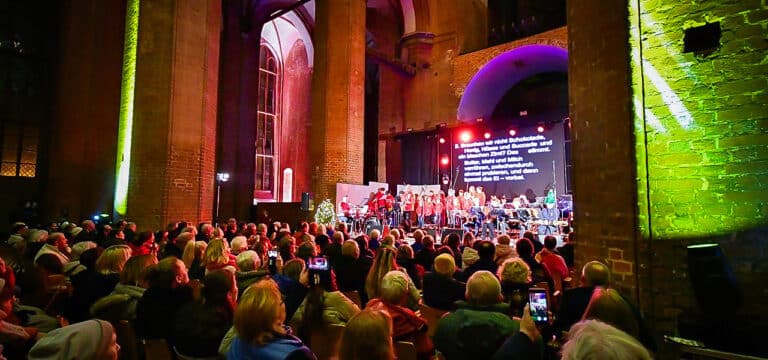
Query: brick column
x,y
174,130
336,140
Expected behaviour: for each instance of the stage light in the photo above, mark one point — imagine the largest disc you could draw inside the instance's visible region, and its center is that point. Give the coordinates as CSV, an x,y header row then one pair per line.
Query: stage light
x,y
512,132
540,129
445,160
222,177
487,135
442,140
479,119
465,136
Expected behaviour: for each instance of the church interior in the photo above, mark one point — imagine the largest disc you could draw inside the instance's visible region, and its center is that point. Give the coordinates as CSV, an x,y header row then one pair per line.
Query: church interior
x,y
156,111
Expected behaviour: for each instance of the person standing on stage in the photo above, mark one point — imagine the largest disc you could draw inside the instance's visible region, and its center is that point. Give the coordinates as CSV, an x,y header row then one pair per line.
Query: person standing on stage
x,y
389,200
480,196
408,202
439,207
419,209
381,204
451,207
344,209
429,207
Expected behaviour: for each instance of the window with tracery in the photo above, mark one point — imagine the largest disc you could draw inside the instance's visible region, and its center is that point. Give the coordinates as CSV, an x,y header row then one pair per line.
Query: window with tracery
x,y
18,149
267,115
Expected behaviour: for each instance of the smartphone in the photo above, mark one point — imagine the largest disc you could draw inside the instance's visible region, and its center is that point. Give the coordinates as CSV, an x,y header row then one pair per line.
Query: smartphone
x,y
272,259
537,302
318,263
272,253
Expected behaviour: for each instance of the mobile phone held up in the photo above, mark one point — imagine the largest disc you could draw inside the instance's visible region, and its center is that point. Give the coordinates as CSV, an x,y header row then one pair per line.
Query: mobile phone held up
x,y
272,257
318,263
537,302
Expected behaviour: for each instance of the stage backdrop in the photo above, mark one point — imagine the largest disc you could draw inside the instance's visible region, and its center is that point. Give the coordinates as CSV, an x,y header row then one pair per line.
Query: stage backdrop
x,y
419,157
507,165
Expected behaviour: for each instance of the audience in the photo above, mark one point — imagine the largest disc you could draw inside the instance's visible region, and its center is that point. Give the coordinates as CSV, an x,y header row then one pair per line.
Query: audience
x,y
482,314
441,290
368,335
260,332
383,264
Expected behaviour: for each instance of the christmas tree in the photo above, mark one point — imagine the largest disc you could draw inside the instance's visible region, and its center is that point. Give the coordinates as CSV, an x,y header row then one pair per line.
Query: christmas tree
x,y
325,214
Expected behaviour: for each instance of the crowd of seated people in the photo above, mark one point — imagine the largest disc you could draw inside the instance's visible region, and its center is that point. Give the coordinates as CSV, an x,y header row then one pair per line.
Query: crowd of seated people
x,y
261,291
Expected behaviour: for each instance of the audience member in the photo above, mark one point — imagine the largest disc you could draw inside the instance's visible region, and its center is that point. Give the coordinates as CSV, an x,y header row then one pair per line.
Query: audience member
x,y
441,290
418,241
483,314
468,253
406,262
383,263
503,250
525,250
238,244
200,325
249,270
566,250
575,301
323,305
592,339
193,259
485,252
453,241
522,344
293,284
351,269
373,241
515,278
552,262
537,245
92,339
168,289
179,243
121,303
89,286
55,244
259,328
407,325
368,335
217,257
426,256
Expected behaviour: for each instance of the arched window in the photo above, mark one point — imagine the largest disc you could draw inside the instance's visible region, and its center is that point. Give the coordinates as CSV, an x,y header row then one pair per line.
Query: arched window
x,y
267,116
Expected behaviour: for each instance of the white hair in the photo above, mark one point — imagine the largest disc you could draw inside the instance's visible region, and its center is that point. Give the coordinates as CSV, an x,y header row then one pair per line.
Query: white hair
x,y
239,243
394,286
81,247
593,339
248,260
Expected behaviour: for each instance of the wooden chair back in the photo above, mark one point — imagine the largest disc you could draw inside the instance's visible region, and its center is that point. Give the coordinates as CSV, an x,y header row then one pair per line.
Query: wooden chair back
x,y
326,341
405,350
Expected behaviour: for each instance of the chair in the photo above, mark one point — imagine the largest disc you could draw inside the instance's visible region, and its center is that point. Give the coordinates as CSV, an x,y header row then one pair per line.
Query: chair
x,y
126,338
432,315
405,350
326,341
157,349
354,295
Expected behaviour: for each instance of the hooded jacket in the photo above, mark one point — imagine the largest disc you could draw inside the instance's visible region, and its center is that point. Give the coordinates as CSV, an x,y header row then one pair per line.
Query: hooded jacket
x,y
119,305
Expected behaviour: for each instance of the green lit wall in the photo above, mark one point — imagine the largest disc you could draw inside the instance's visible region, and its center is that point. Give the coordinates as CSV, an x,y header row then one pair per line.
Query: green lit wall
x,y
125,127
701,120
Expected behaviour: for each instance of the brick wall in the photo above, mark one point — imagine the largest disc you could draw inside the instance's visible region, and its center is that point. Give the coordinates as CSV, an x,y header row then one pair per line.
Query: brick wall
x,y
704,118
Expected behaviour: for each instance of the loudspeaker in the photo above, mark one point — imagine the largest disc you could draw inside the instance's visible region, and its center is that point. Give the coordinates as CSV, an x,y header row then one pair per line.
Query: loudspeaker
x,y
306,202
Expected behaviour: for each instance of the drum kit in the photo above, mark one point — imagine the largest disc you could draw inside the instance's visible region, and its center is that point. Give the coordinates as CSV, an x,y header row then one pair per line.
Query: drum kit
x,y
360,216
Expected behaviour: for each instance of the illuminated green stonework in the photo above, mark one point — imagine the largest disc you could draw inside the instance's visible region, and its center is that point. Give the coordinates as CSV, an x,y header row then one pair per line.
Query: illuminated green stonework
x,y
701,120
125,127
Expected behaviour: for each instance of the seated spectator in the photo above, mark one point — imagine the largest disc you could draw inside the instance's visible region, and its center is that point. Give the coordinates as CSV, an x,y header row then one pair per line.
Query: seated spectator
x,y
258,323
388,241
193,259
92,339
168,290
293,284
143,243
407,326
90,286
592,339
503,250
37,239
179,243
368,335
537,245
525,250
418,241
374,240
608,306
468,253
217,257
88,232
485,252
55,244
323,305
19,235
482,313
238,245
453,241
566,250
121,303
426,256
441,290
382,264
287,247
74,267
115,237
306,250
351,269
200,325
515,278
405,261
575,301
249,270
524,343
552,261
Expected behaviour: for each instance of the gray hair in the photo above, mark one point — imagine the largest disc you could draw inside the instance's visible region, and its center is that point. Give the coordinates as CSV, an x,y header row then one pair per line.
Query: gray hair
x,y
239,243
515,270
590,339
248,260
394,286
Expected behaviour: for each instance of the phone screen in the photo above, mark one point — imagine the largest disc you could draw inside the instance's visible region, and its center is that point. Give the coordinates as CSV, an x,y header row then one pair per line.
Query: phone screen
x,y
318,263
272,253
537,300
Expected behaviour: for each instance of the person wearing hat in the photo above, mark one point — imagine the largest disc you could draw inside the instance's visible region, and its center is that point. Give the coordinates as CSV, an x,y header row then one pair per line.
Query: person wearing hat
x,y
92,339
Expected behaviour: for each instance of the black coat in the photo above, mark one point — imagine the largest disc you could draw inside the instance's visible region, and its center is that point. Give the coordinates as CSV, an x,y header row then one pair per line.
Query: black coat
x,y
156,311
441,292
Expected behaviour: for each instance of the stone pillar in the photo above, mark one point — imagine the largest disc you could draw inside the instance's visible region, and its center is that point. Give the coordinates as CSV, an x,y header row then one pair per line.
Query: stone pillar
x,y
419,100
336,145
174,126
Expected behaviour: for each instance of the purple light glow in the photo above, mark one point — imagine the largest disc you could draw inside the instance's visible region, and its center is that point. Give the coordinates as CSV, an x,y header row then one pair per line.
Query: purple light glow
x,y
499,75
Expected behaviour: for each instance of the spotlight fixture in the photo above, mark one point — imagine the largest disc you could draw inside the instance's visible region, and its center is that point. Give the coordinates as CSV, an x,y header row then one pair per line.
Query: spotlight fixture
x,y
442,140
512,132
540,129
487,135
465,136
445,161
